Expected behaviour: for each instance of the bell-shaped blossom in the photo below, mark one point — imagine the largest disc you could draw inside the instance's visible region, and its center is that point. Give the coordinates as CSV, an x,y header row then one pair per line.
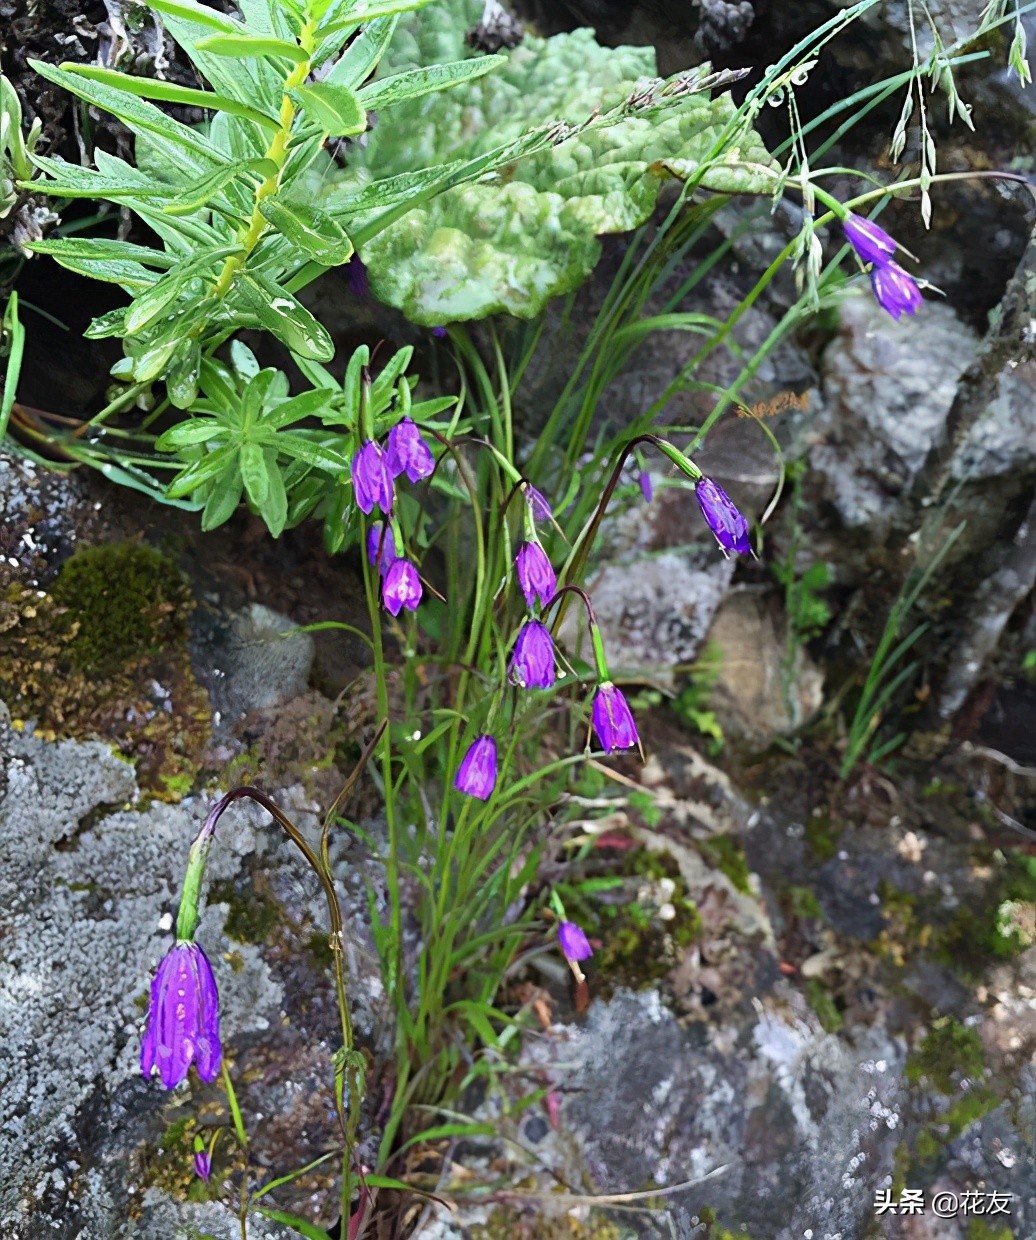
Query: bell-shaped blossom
x,y
183,1018
532,663
407,453
538,506
401,587
895,290
202,1163
612,719
381,547
869,240
476,775
372,482
573,942
727,523
535,574
646,489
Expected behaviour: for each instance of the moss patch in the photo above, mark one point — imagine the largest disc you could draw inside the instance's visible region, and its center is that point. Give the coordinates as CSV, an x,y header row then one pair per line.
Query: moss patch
x,y
727,855
104,654
511,1224
947,1053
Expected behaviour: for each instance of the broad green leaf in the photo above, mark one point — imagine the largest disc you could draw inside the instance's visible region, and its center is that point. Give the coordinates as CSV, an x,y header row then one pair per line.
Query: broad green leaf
x,y
102,248
417,82
245,46
111,323
201,192
181,380
254,473
312,230
188,434
306,405
199,472
130,275
72,181
188,10
314,454
362,11
223,500
511,241
138,115
286,317
275,507
335,109
171,92
152,363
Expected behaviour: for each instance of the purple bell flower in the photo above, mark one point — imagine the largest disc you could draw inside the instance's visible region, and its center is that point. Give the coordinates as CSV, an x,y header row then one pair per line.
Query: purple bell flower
x,y
372,482
727,524
612,719
440,332
183,1019
646,489
535,574
202,1164
869,240
378,537
895,290
538,506
356,276
407,453
573,941
476,775
401,587
532,664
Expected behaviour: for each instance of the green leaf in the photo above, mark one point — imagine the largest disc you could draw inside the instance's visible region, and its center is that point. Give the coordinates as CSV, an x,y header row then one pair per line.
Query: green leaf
x,y
102,248
188,434
122,271
200,13
417,82
285,316
254,473
203,191
138,115
222,502
305,1228
275,509
312,453
246,46
159,296
15,334
511,241
306,405
112,323
361,11
313,231
170,92
336,109
361,57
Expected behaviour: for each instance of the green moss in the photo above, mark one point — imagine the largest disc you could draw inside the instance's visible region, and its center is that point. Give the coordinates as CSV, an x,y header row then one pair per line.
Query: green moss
x,y
644,805
804,904
979,1229
252,915
728,856
122,601
948,1051
823,1003
104,655
821,837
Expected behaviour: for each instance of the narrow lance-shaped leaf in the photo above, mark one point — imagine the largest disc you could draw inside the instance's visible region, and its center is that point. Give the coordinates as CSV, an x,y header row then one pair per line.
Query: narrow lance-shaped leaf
x,y
247,46
280,313
418,82
311,230
171,92
202,192
189,10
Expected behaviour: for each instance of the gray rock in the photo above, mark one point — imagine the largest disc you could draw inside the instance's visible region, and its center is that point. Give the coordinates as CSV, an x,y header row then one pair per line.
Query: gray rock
x,y
254,659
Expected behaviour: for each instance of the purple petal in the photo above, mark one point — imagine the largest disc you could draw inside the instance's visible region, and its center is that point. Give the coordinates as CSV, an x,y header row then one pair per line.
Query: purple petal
x,y
402,587
532,664
895,290
612,719
727,523
869,240
476,775
535,574
574,943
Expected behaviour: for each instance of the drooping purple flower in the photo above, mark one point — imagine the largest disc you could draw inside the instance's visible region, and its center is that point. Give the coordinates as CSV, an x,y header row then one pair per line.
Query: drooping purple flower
x,y
869,240
535,574
723,517
406,452
532,663
538,506
476,775
401,587
202,1163
646,489
379,538
895,290
612,719
372,482
356,275
183,1018
573,942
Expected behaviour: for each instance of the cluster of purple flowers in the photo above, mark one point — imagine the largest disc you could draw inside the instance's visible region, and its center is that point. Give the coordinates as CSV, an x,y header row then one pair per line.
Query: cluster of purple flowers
x,y
374,471
894,289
